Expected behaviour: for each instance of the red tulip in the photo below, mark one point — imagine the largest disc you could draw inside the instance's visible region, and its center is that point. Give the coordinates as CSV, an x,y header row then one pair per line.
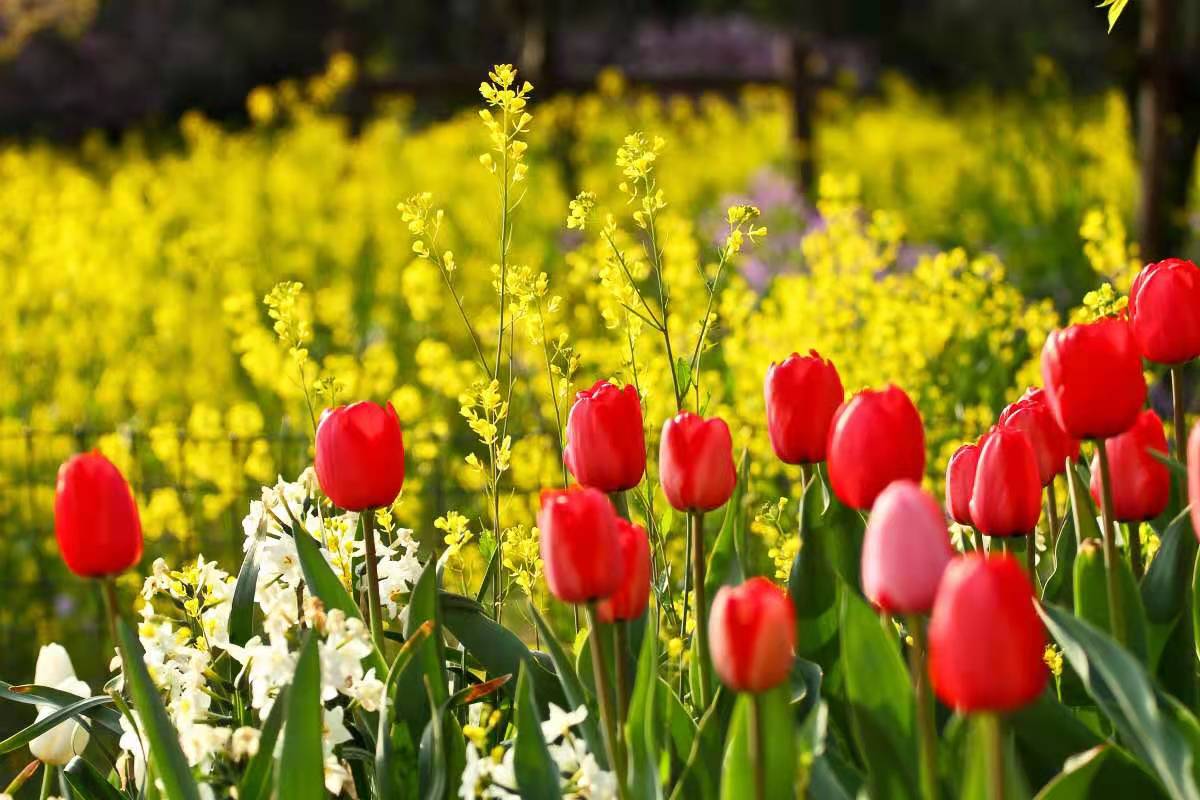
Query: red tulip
x,y
1006,499
905,550
1193,463
751,635
360,455
803,393
985,639
876,438
581,555
632,596
695,462
1051,444
1164,311
606,441
1141,484
95,517
1093,376
960,481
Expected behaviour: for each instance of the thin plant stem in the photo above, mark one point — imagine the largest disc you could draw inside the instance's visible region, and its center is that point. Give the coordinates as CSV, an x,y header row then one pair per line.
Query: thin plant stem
x,y
374,607
47,781
604,697
1179,412
926,725
1052,516
687,577
703,664
1116,611
108,587
993,742
622,662
757,751
1031,557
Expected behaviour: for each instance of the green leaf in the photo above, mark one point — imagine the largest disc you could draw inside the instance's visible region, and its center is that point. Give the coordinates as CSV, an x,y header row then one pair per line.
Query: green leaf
x,y
701,773
323,583
1091,595
812,583
388,772
972,758
643,724
499,650
1165,585
1047,734
86,781
301,774
1125,692
165,755
778,741
241,612
1059,587
412,701
34,694
536,771
683,374
52,720
256,780
881,701
572,688
1101,771
1083,511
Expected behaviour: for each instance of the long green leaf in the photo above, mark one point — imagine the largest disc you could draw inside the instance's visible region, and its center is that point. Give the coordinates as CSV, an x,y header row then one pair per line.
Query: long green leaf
x,y
1165,585
812,583
256,779
643,725
572,687
881,701
86,781
387,769
1102,771
241,612
301,774
778,740
52,720
536,771
412,700
1083,512
165,754
1123,689
34,694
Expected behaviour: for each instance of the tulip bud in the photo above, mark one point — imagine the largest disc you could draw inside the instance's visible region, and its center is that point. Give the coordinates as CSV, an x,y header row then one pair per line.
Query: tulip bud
x,y
985,639
61,743
1141,484
752,635
360,455
1051,444
630,599
1193,465
581,556
95,517
1164,311
1093,376
960,481
1006,499
606,440
802,394
905,550
876,438
695,462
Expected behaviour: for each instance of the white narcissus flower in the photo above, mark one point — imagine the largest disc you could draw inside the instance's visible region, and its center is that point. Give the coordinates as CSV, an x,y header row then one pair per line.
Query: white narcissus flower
x,y
59,744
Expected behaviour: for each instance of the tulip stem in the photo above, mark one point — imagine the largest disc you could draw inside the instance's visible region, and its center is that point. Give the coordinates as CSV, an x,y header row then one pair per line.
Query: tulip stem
x,y
622,665
758,758
1179,411
621,504
1116,611
47,781
703,664
993,742
604,698
1052,516
375,610
108,587
926,725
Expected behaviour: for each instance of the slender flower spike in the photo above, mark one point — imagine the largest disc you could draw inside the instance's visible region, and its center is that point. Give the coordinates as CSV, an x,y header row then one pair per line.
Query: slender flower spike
x,y
905,551
579,545
802,395
360,455
1193,465
1006,499
876,438
1141,483
95,517
1093,376
695,462
960,481
1164,311
985,639
1051,444
606,439
630,599
61,743
752,635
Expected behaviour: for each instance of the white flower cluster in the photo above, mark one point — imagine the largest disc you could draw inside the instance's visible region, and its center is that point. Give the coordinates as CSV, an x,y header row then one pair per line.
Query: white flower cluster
x,y
492,774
